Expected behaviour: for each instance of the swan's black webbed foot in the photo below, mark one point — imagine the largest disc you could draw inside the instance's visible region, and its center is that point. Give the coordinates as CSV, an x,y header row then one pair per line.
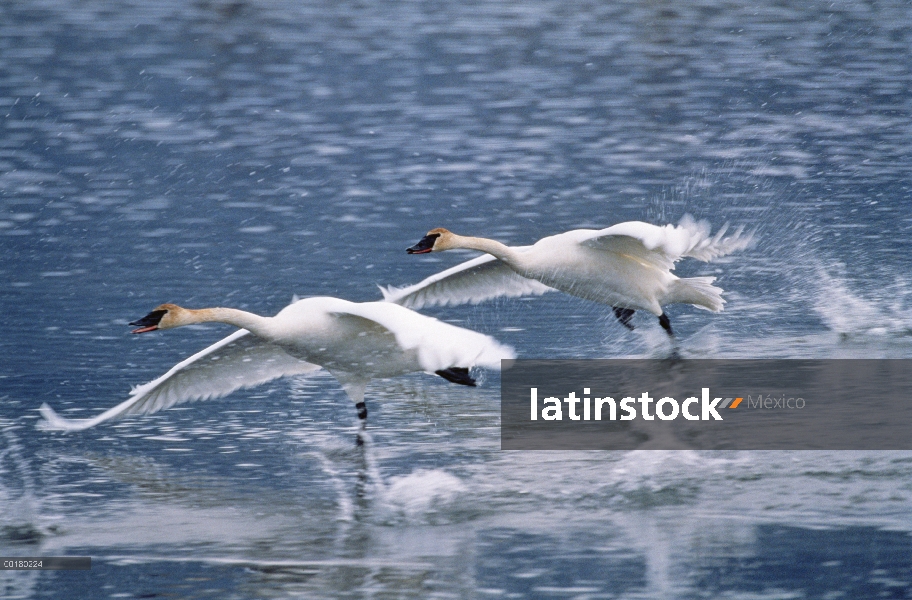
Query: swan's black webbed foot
x,y
458,375
362,417
666,324
624,315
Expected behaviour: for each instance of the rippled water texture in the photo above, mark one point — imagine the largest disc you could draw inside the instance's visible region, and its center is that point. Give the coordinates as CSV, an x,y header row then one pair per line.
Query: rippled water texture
x,y
239,152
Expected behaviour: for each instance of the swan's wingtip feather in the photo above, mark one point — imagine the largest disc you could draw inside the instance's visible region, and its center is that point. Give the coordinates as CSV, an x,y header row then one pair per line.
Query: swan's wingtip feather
x,y
52,421
47,413
398,295
706,246
389,292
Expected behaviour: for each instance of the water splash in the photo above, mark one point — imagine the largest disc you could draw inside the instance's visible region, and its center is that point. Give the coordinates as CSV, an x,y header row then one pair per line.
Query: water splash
x,y
853,313
422,494
19,518
19,528
649,478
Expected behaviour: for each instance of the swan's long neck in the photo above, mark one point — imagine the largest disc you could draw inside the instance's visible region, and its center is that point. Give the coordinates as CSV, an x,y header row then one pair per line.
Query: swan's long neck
x,y
255,324
492,247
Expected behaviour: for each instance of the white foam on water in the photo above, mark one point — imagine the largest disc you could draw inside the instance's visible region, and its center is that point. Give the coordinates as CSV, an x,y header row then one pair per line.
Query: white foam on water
x,y
422,492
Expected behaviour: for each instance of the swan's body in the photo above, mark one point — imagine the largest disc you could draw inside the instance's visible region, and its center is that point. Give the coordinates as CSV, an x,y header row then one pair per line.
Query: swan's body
x,y
627,266
355,342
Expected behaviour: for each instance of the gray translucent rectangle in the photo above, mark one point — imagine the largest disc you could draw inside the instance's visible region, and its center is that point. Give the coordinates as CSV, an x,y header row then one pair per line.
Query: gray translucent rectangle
x,y
786,404
45,563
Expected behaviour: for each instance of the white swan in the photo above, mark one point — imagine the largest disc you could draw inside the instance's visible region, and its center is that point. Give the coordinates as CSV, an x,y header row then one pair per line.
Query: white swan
x,y
355,342
627,266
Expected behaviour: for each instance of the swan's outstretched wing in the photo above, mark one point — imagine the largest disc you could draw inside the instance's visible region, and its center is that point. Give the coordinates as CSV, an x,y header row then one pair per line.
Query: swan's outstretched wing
x,y
439,345
472,282
240,360
664,245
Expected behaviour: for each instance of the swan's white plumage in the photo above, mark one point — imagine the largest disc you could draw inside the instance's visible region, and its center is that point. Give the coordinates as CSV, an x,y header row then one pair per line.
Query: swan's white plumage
x,y
627,265
354,341
471,282
238,361
668,244
424,335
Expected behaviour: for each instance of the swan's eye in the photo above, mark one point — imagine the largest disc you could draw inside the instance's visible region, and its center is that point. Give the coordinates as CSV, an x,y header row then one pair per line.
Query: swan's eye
x,y
425,245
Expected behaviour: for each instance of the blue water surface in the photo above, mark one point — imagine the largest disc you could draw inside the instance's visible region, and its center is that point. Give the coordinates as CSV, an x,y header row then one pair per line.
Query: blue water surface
x,y
237,153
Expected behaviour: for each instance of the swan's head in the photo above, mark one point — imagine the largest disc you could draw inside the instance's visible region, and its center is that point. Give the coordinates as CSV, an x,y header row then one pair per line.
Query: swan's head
x,y
165,316
436,240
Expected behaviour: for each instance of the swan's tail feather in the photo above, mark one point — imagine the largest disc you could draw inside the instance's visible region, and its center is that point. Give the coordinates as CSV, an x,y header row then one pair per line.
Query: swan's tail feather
x,y
705,247
698,291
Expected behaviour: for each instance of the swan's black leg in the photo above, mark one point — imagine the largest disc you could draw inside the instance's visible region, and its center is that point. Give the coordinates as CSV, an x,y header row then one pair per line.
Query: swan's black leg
x,y
624,315
458,375
666,324
362,417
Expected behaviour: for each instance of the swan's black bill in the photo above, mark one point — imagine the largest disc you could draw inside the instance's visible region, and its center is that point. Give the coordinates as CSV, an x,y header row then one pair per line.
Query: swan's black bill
x,y
425,245
149,322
